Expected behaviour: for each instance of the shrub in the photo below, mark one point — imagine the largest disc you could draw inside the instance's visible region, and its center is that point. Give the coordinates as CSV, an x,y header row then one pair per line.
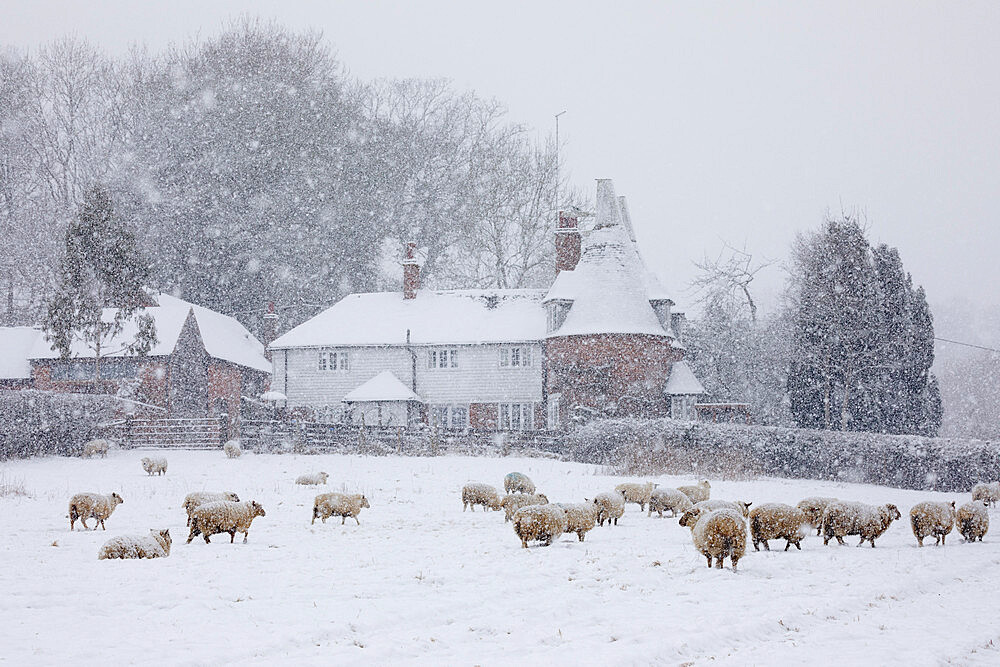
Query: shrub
x,y
42,422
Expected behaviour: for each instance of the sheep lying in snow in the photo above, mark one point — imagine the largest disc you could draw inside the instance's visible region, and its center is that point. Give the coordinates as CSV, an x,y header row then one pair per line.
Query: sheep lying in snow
x,y
735,505
717,533
636,493
516,482
223,516
814,508
697,493
539,522
154,465
193,500
932,518
777,521
154,545
610,507
661,500
316,478
232,449
85,506
480,494
95,448
338,504
580,517
988,493
973,520
852,518
515,501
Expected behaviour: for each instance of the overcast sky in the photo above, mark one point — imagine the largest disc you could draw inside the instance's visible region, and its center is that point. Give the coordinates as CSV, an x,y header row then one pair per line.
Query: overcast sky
x,y
741,122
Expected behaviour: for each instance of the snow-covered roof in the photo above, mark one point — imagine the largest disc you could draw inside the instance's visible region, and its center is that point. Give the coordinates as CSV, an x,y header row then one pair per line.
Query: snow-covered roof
x,y
682,381
383,387
433,317
16,344
224,337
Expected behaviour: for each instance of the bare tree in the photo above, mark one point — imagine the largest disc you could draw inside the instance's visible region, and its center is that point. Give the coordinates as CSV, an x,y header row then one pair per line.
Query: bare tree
x,y
725,280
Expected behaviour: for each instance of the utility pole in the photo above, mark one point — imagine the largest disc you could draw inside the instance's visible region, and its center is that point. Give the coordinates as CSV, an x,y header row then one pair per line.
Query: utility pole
x,y
557,166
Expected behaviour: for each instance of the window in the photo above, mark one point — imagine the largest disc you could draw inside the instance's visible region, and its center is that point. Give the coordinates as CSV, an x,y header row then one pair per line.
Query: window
x,y
450,416
515,357
442,359
516,416
332,360
83,369
556,312
553,411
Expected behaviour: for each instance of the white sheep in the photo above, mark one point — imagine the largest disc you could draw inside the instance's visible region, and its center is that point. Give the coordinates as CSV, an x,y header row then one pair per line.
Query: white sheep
x,y
636,493
539,522
343,505
736,505
154,545
814,507
717,533
196,498
316,479
515,501
932,518
580,517
777,521
661,500
973,520
610,507
95,448
480,494
233,449
85,506
697,493
154,465
988,493
223,516
517,482
853,518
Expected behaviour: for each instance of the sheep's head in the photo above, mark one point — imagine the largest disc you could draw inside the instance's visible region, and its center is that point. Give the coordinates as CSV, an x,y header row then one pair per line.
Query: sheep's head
x,y
705,483
689,518
256,509
893,512
364,502
543,498
233,497
116,499
165,534
324,477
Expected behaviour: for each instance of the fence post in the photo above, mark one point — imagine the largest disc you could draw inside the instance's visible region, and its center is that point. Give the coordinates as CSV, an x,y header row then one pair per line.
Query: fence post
x,y
223,420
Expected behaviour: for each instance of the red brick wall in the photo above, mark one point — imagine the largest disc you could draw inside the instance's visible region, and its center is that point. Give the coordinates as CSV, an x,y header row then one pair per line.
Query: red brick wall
x,y
483,415
224,383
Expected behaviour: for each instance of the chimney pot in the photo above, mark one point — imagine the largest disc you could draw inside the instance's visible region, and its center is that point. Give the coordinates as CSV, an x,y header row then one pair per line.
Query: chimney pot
x,y
411,271
567,242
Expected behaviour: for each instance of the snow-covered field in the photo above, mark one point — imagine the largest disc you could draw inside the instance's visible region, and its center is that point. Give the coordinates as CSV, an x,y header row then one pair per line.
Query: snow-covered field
x,y
419,581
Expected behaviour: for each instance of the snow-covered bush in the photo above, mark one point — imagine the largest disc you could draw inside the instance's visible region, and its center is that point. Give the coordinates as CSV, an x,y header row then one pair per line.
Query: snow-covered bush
x,y
41,422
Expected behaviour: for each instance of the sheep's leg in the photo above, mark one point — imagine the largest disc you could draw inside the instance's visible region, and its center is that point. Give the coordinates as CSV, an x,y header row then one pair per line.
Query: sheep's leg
x,y
840,540
920,541
580,534
245,536
735,561
755,545
232,535
343,518
718,562
863,540
359,523
102,525
524,543
709,557
207,541
83,522
767,547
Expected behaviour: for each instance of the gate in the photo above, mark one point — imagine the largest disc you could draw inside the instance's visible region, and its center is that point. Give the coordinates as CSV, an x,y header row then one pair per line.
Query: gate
x,y
192,433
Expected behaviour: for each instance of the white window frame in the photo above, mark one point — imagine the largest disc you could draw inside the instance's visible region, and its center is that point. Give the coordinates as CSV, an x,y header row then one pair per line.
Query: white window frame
x,y
333,360
515,416
515,356
553,412
442,359
449,416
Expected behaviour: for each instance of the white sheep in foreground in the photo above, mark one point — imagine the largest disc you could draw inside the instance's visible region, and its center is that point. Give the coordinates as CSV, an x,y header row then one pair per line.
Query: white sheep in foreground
x,y
95,448
315,479
233,449
515,501
610,507
853,518
154,465
777,521
661,500
475,493
636,493
988,493
539,522
223,516
736,505
343,505
580,517
718,534
932,518
517,482
97,506
697,493
154,545
814,507
973,520
197,498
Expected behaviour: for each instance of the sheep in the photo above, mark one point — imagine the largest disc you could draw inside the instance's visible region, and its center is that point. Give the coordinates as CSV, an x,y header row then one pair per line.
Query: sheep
x,y
610,507
932,518
813,508
222,516
516,482
853,518
699,492
539,522
515,501
777,521
480,494
637,493
717,533
154,545
988,493
735,505
973,520
338,504
580,517
154,465
232,449
668,499
95,448
316,478
193,500
84,506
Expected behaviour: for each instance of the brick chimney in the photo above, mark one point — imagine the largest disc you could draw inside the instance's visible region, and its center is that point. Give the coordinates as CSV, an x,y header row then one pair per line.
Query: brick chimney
x,y
269,329
567,242
411,272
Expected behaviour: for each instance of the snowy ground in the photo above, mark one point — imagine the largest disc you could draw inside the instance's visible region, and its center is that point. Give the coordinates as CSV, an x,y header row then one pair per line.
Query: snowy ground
x,y
419,581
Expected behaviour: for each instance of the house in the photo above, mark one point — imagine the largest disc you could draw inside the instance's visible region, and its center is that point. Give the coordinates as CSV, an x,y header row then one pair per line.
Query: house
x,y
202,364
599,341
15,367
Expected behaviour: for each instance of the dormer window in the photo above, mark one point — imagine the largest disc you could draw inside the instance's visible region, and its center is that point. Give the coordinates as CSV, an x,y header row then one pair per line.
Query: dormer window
x,y
662,309
556,312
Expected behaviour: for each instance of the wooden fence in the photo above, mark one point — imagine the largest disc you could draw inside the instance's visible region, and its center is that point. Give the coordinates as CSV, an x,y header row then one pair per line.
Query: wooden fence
x,y
192,433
